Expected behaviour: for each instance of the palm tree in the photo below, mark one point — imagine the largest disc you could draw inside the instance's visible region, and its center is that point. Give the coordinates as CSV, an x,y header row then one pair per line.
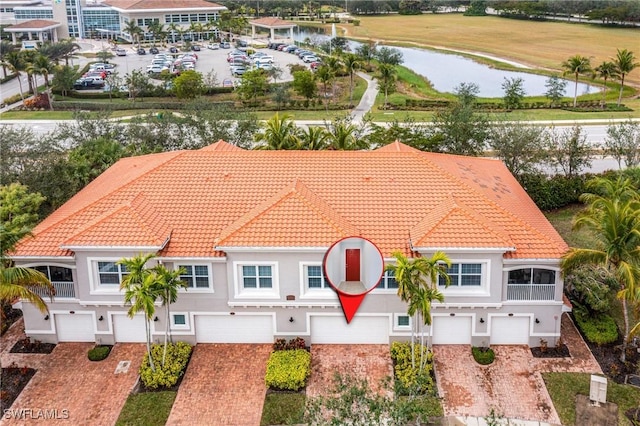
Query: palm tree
x,y
352,63
134,31
315,138
577,65
280,133
418,286
335,66
387,75
167,284
173,29
624,61
19,282
140,292
44,67
5,48
613,217
13,61
606,70
325,75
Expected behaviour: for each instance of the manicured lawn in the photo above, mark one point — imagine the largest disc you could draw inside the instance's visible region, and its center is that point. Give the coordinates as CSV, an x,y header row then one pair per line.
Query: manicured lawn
x,y
542,44
562,220
283,409
563,388
148,408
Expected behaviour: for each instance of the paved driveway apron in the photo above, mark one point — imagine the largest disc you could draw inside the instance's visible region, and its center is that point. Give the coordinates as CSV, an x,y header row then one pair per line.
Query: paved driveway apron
x,y
66,380
512,385
224,385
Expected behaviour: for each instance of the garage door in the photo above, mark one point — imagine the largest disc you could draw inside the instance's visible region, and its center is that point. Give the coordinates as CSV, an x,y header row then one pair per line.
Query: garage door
x,y
75,328
334,329
451,330
127,329
234,328
509,330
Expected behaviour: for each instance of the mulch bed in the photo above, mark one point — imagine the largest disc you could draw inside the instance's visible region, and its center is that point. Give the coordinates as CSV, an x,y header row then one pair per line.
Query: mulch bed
x,y
561,351
27,346
10,316
14,379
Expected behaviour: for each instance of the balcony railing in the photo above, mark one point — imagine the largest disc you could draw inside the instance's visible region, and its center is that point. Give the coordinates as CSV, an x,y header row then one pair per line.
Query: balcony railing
x,y
64,290
531,291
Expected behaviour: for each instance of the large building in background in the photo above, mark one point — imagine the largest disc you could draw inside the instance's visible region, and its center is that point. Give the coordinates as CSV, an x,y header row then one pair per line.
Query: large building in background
x,y
91,19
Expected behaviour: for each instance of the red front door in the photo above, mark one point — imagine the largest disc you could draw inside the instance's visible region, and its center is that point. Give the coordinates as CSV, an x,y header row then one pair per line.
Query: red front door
x,y
352,264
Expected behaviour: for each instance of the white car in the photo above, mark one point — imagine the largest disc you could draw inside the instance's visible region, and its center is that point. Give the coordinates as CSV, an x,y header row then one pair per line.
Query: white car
x,y
156,69
266,59
310,58
121,52
264,66
213,46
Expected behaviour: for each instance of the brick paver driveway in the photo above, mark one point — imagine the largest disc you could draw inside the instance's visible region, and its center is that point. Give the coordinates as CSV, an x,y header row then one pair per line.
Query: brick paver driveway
x,y
372,362
91,392
512,385
224,385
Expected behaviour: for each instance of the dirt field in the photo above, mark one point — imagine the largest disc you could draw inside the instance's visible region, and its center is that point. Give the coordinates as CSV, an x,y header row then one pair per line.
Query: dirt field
x,y
540,44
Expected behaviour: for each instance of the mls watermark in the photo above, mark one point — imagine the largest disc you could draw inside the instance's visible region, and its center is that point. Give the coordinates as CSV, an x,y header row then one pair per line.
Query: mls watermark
x,y
35,414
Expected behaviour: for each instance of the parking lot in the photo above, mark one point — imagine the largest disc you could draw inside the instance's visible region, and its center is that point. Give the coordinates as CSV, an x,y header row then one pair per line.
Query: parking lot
x,y
208,60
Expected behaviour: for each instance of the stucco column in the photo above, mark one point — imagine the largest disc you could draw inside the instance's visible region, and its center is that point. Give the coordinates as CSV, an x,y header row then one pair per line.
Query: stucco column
x,y
54,35
29,36
13,38
273,34
291,33
253,31
40,36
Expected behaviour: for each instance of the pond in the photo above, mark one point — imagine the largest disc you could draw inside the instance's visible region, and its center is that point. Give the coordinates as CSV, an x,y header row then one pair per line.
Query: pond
x,y
446,71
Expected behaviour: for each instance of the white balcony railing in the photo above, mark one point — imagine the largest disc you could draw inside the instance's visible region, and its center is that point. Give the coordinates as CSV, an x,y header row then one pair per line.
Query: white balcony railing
x,y
531,291
64,290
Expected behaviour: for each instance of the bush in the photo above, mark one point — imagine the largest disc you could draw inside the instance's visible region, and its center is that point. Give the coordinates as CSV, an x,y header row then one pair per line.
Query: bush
x,y
98,353
12,99
176,363
550,193
483,356
283,345
410,379
599,329
288,370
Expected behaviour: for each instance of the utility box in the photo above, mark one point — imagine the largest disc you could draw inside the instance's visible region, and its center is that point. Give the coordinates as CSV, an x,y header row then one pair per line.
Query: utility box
x,y
598,389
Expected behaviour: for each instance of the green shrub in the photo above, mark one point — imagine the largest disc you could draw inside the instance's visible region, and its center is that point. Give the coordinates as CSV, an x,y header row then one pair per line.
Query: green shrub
x,y
98,353
288,370
176,363
410,379
599,329
550,193
483,356
13,99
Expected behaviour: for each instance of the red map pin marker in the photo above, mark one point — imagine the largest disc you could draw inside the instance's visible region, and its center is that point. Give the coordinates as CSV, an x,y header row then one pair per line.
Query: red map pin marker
x,y
353,266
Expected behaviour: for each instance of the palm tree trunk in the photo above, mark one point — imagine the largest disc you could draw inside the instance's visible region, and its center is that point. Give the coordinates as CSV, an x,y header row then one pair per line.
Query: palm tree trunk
x,y
623,355
413,351
166,336
604,94
350,89
621,87
148,330
575,92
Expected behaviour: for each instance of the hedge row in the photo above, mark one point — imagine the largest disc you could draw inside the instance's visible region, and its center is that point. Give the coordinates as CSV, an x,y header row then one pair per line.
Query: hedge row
x,y
410,379
288,369
118,106
553,192
166,376
599,329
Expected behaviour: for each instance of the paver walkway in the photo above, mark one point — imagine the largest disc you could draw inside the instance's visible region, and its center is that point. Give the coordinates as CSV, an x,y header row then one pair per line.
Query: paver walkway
x,y
90,392
512,385
224,385
372,362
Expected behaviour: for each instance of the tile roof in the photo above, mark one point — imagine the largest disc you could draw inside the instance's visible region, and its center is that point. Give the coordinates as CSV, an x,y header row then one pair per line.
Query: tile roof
x,y
34,24
224,196
272,22
161,4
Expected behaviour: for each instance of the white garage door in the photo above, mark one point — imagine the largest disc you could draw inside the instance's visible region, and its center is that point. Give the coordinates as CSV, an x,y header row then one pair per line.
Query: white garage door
x,y
74,328
509,331
127,329
334,329
234,328
451,330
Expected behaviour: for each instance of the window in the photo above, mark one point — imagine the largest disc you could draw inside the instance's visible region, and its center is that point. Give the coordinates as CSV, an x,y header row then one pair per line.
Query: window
x,y
463,275
56,273
111,273
315,277
532,276
196,276
179,320
401,322
388,281
257,276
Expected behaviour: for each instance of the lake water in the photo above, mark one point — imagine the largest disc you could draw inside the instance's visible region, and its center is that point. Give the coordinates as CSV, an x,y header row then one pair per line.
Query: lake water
x,y
447,71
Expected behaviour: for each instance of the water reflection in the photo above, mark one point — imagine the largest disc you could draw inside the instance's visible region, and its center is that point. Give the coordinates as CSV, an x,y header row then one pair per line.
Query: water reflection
x,y
446,71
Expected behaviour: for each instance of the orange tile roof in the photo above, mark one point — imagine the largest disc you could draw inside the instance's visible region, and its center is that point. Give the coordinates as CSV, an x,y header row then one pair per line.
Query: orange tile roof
x,y
223,196
34,24
274,22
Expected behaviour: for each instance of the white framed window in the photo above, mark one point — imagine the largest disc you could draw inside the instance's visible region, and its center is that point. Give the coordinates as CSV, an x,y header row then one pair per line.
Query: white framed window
x,y
256,279
179,321
197,277
463,275
315,277
313,282
388,281
111,273
401,322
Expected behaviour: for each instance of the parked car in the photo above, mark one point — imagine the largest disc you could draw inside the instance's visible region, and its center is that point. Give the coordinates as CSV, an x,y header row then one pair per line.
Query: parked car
x,y
309,58
225,45
264,59
121,52
153,50
195,48
213,46
141,51
156,69
88,83
264,66
237,70
227,82
173,49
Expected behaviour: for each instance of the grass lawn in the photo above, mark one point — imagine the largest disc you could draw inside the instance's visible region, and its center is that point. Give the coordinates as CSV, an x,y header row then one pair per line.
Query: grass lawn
x,y
542,44
283,409
562,220
563,388
147,408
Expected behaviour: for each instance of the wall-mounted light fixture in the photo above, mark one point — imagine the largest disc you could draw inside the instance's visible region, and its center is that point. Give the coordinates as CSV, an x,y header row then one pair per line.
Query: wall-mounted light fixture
x,y
291,319
156,319
46,317
481,320
537,321
452,314
101,318
510,315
